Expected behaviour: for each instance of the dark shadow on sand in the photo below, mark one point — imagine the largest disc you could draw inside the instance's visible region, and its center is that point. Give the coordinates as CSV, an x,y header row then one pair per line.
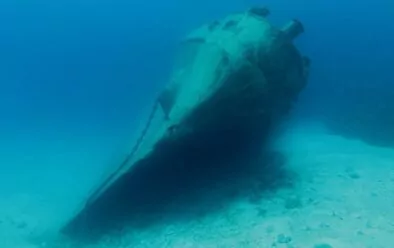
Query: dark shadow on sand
x,y
184,181
368,131
365,115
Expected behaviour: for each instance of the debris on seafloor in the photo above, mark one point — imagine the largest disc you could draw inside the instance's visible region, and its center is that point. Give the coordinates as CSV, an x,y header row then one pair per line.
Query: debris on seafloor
x,y
234,78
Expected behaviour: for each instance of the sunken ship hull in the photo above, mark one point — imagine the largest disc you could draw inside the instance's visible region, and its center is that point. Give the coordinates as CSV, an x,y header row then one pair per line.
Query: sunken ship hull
x,y
233,80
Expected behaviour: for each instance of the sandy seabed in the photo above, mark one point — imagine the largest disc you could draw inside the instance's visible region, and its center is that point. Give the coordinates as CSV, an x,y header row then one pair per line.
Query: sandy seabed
x,y
343,196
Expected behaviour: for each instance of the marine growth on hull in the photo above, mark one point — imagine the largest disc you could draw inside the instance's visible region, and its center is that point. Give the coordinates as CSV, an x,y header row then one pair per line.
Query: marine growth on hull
x,y
232,82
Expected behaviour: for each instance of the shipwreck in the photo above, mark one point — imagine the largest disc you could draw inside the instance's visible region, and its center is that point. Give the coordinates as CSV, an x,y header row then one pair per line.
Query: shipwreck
x,y
233,80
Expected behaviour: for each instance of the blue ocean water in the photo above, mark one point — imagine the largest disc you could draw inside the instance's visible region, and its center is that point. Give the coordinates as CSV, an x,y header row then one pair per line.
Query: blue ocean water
x,y
76,78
